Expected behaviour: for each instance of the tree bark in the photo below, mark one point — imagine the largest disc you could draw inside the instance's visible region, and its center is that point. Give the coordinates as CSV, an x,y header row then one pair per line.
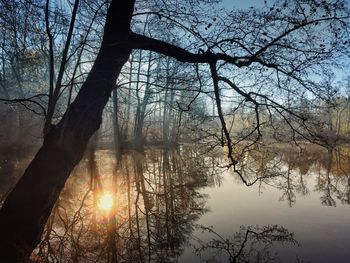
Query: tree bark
x,y
24,214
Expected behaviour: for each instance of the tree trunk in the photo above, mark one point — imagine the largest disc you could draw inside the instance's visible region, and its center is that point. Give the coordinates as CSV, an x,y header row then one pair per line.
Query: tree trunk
x,y
116,126
139,138
125,132
26,210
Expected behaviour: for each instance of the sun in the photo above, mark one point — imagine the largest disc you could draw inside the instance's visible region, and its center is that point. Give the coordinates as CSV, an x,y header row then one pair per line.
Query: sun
x,y
105,202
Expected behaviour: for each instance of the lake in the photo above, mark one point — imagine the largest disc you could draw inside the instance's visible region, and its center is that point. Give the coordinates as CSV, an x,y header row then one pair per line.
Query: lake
x,y
185,206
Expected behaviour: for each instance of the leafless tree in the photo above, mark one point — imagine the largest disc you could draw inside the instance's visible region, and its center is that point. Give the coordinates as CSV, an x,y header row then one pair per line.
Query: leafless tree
x,y
258,53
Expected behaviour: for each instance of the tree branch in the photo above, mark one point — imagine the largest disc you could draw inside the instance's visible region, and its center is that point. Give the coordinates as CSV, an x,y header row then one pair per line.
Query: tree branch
x,y
137,41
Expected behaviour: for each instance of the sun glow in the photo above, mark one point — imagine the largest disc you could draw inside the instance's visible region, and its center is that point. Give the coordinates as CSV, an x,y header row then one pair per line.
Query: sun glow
x,y
105,202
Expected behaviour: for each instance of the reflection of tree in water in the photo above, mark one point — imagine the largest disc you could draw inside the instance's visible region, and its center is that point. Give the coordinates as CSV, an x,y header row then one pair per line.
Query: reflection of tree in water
x,y
342,172
249,244
287,169
156,203
292,180
157,198
274,167
325,184
334,177
258,165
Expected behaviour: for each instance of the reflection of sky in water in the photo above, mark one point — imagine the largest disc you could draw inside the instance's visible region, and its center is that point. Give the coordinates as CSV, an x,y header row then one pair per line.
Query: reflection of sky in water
x,y
322,231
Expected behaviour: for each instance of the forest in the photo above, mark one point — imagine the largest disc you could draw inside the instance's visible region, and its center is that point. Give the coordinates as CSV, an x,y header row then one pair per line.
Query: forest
x,y
174,131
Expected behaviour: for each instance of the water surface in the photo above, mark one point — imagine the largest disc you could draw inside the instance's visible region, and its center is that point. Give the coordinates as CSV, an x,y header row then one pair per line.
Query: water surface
x,y
180,206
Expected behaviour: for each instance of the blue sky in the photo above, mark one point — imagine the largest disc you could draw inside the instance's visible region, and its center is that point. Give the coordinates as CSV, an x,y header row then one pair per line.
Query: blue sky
x,y
229,4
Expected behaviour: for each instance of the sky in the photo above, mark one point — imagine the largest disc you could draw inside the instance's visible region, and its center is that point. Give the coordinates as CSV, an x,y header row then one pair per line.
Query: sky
x,y
229,4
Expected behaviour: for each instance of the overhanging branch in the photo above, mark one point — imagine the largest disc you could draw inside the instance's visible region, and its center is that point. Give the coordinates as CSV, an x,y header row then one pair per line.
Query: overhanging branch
x,y
137,41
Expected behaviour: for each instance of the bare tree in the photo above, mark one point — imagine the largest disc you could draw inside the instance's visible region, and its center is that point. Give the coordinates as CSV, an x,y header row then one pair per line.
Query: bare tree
x,y
278,47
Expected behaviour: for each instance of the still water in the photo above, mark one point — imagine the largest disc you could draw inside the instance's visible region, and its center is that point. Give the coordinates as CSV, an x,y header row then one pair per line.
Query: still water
x,y
184,206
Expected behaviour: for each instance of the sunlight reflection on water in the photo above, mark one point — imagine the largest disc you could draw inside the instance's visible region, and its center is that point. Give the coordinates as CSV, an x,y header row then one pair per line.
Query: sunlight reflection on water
x,y
168,205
